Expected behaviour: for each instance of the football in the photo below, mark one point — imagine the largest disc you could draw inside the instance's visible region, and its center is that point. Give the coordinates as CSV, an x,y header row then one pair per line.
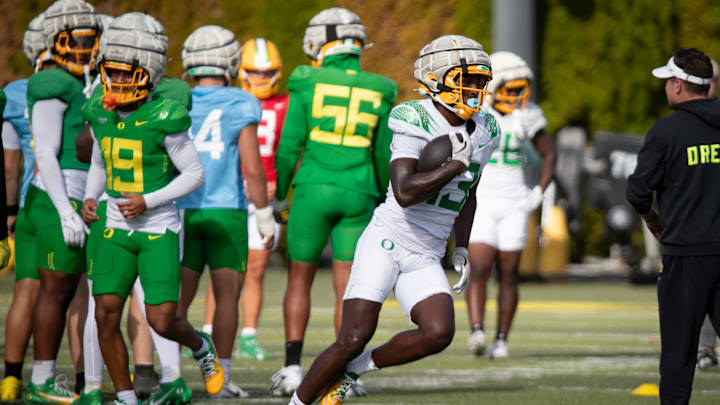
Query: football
x,y
434,154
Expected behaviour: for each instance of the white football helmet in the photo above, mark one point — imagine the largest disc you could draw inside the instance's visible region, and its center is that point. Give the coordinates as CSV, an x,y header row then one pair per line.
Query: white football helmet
x,y
139,21
441,66
141,55
71,30
211,51
510,84
105,21
331,32
34,41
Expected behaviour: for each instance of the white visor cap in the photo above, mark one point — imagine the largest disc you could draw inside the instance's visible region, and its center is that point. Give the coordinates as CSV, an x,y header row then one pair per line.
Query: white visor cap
x,y
672,70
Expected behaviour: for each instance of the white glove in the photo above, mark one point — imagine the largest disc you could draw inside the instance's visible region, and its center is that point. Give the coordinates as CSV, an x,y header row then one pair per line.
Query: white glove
x,y
534,198
265,222
461,263
73,228
461,147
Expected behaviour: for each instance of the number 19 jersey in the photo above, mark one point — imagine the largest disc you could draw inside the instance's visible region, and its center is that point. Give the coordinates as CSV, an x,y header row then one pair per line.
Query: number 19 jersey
x,y
425,227
218,115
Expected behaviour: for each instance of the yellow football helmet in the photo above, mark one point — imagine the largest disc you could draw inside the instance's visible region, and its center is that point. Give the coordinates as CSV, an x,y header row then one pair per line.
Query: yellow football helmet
x,y
72,30
511,82
260,68
444,68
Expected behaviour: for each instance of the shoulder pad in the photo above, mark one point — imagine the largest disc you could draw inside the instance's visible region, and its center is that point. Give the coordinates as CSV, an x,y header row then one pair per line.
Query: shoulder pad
x,y
410,117
170,116
49,84
298,75
489,122
176,90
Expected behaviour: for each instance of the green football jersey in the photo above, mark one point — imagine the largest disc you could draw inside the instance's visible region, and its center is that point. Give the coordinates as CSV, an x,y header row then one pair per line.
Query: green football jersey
x,y
59,84
170,88
135,159
337,118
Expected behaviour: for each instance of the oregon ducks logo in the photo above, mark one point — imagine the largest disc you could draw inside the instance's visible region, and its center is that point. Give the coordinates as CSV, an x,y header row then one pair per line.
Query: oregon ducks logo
x,y
387,244
121,125
108,233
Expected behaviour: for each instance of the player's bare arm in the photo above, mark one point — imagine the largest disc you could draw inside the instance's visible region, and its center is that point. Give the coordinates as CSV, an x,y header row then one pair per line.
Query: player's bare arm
x,y
252,166
464,220
411,187
545,147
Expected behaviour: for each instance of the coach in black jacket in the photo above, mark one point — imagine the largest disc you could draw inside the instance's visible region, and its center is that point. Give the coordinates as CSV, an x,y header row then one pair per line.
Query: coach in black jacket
x,y
680,163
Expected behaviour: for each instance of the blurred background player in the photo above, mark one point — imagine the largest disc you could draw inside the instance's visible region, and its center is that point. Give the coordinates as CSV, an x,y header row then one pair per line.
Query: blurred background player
x,y
50,227
260,73
142,337
504,200
402,246
224,129
17,139
337,119
139,142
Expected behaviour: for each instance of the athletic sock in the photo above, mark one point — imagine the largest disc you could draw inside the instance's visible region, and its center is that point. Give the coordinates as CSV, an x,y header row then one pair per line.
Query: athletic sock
x,y
128,397
362,364
13,370
501,336
205,347
293,350
248,332
42,370
145,370
225,364
476,327
207,328
79,382
295,400
91,386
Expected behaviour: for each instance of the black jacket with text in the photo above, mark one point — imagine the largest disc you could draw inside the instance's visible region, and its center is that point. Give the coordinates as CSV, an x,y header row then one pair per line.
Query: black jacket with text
x,y
680,161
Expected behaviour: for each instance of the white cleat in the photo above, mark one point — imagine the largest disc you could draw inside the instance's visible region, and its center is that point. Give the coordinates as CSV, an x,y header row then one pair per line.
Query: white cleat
x,y
286,381
230,391
476,343
499,350
357,389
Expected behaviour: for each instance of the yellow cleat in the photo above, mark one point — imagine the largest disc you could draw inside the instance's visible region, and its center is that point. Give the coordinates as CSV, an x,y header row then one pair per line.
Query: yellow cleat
x,y
10,389
336,394
212,372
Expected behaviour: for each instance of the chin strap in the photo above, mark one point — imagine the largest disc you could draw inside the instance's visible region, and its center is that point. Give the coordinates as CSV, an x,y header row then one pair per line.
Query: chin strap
x,y
435,98
88,90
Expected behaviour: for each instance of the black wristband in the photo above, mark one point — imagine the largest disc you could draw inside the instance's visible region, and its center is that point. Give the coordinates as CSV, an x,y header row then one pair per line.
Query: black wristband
x,y
12,210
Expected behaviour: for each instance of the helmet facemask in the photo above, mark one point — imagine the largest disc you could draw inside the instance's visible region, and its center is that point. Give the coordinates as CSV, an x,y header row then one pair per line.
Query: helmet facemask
x,y
123,83
456,82
260,68
260,83
76,49
512,95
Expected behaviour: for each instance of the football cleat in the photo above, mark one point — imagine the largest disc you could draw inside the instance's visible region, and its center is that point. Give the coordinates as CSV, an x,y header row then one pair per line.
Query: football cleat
x,y
357,389
230,391
172,393
53,392
94,397
337,393
145,384
707,359
10,389
249,349
286,380
476,343
499,350
212,373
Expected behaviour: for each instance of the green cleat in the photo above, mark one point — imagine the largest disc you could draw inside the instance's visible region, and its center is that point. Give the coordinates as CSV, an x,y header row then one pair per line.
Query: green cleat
x,y
172,393
94,397
53,392
249,349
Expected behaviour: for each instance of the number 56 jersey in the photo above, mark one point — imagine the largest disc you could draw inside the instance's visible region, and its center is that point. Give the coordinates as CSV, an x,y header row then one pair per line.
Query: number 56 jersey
x,y
425,227
218,115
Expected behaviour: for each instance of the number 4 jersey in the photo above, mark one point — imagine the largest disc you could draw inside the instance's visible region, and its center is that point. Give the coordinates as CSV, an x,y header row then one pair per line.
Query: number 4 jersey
x,y
425,227
218,115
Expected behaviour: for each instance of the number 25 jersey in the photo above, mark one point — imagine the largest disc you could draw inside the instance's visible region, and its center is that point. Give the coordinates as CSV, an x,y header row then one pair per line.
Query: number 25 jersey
x,y
218,115
424,227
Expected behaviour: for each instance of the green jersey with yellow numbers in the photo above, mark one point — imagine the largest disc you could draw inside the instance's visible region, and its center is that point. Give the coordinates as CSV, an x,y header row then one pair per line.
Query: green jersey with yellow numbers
x,y
337,118
58,84
135,159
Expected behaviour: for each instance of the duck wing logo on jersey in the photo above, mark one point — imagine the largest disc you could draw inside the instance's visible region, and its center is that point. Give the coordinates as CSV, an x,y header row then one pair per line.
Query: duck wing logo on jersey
x,y
413,113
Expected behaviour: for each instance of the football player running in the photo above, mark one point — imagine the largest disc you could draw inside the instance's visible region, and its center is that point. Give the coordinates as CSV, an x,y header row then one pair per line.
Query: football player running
x,y
140,334
50,229
17,140
224,129
139,141
500,226
260,73
337,118
402,246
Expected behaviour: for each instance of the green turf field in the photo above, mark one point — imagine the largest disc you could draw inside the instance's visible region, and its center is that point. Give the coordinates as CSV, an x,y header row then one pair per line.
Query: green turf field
x,y
572,343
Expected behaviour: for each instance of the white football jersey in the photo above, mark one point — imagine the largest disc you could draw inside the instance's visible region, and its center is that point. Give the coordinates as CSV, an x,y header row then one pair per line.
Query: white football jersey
x,y
425,227
503,175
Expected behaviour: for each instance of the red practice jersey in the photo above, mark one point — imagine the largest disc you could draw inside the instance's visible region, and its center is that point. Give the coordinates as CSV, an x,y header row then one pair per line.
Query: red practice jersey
x,y
269,130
